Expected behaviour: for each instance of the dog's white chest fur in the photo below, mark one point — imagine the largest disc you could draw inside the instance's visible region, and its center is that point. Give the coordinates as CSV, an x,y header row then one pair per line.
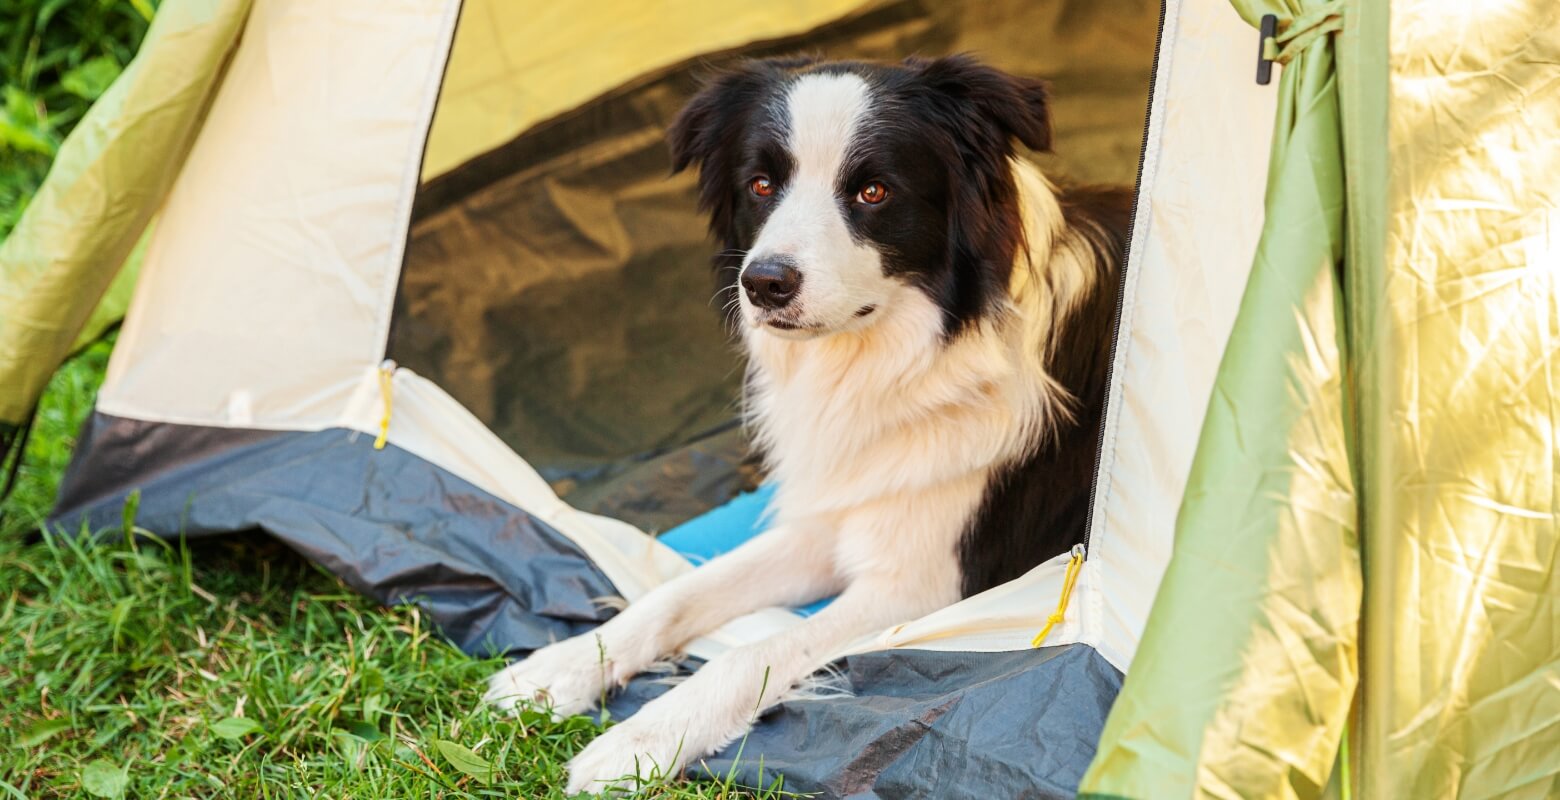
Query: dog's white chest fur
x,y
861,425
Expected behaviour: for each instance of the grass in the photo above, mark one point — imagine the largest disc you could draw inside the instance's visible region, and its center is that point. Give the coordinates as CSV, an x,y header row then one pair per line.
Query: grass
x,y
231,667
142,668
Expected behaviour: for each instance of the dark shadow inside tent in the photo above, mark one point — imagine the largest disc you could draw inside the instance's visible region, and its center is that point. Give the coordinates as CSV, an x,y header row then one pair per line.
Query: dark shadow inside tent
x,y
558,286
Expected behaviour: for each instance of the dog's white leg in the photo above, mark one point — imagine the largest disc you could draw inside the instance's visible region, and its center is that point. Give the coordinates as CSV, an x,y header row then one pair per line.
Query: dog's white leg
x,y
716,705
784,566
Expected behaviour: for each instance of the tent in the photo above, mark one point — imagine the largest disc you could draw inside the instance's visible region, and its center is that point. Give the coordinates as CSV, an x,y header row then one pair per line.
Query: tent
x,y
393,310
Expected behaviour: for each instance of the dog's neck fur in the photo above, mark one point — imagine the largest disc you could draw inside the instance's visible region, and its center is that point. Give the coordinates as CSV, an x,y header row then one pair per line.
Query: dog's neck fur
x,y
896,407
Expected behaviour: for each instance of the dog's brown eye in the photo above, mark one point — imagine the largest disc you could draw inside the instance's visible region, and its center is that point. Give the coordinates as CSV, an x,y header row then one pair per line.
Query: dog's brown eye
x,y
761,186
872,194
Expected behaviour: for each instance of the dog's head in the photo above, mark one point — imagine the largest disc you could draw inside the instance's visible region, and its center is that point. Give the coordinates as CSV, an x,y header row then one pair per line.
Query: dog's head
x,y
838,187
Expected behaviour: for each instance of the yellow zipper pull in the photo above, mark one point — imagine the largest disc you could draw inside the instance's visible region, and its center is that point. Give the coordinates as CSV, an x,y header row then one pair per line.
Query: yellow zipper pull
x,y
1074,566
386,373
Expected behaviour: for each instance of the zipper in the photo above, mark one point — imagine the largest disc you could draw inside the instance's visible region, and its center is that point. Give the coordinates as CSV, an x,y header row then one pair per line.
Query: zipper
x,y
1121,285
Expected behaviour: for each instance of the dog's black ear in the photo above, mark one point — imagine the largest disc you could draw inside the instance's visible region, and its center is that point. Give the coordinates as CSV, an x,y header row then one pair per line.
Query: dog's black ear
x,y
697,131
707,127
975,114
710,129
1020,107
709,122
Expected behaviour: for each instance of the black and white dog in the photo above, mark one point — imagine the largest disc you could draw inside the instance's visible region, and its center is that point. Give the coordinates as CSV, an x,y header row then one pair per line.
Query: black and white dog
x,y
927,322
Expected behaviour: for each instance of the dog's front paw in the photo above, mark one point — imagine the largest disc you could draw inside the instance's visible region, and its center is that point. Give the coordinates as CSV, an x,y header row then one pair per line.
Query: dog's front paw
x,y
566,678
629,756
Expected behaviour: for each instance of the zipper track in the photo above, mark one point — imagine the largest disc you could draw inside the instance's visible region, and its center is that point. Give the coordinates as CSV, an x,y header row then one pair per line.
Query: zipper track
x,y
1121,286
422,159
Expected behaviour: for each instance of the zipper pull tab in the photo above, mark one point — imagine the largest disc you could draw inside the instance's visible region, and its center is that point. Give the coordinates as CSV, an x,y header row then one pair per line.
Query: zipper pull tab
x,y
1074,566
1267,48
387,370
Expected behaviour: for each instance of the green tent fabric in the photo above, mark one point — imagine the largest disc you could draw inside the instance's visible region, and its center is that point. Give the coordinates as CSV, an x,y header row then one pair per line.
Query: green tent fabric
x,y
116,298
101,192
1244,677
1374,490
1459,387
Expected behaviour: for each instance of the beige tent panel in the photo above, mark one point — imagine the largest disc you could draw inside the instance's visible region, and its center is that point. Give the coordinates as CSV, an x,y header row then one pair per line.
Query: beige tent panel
x,y
283,235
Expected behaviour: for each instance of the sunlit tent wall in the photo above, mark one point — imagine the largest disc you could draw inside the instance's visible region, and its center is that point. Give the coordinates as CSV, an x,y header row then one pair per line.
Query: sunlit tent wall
x,y
1331,424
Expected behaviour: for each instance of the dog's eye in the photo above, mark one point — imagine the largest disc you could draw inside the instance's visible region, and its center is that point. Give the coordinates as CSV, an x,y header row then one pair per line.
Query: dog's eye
x,y
761,186
872,194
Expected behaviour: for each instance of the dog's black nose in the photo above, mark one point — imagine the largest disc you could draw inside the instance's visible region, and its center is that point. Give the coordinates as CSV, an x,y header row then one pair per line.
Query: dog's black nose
x,y
771,284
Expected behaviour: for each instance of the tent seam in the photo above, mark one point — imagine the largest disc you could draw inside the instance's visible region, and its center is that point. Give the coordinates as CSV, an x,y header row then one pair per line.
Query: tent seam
x,y
411,180
1098,536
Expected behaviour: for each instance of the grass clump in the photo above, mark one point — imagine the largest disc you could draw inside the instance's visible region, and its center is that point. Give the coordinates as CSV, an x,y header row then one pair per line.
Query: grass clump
x,y
231,667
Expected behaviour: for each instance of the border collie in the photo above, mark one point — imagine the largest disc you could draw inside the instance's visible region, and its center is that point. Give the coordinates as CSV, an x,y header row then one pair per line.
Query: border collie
x,y
927,325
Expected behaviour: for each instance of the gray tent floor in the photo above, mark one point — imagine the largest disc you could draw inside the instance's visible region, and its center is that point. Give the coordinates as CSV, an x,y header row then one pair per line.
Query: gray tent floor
x,y
495,579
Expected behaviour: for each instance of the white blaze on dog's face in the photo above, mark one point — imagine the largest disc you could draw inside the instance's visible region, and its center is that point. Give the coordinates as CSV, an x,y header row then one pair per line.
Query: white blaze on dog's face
x,y
807,273
841,191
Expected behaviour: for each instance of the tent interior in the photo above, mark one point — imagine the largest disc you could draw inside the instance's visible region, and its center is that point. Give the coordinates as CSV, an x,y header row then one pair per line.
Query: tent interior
x,y
555,281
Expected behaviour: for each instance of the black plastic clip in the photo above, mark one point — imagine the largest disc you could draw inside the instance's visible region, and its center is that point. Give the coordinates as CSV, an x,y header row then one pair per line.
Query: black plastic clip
x,y
1269,29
